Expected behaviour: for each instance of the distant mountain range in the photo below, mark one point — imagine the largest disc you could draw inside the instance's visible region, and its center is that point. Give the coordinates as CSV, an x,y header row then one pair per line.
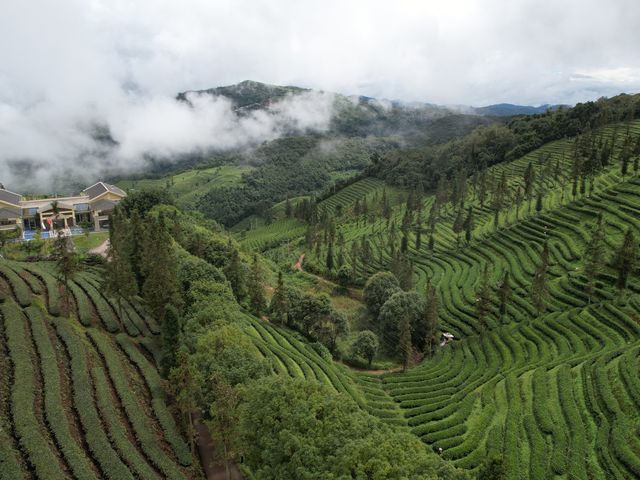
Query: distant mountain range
x,y
509,109
252,95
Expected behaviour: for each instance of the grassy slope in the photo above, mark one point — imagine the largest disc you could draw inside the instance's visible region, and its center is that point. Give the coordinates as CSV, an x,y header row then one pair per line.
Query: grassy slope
x,y
556,394
79,392
190,185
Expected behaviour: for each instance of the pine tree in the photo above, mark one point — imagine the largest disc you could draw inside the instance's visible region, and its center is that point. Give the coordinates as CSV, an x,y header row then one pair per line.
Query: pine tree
x,y
483,298
386,207
287,208
159,267
404,342
468,225
625,156
257,302
138,234
171,332
404,244
120,280
499,197
279,307
418,237
504,294
67,265
626,258
432,242
431,319
406,222
234,271
329,260
458,224
539,202
539,287
183,387
402,268
482,187
529,178
594,256
518,200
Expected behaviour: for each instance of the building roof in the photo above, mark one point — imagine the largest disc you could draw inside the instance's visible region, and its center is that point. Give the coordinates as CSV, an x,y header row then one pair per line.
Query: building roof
x,y
10,197
101,188
49,206
10,213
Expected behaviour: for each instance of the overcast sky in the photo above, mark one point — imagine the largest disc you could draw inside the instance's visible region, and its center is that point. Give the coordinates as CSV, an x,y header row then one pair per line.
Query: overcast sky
x,y
66,63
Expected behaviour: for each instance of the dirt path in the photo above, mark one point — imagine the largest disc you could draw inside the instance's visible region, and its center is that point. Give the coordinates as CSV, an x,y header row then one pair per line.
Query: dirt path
x,y
374,372
101,249
206,449
298,265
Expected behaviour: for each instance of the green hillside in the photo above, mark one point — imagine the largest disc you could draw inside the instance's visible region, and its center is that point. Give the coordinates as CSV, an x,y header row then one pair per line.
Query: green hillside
x,y
189,186
80,394
551,389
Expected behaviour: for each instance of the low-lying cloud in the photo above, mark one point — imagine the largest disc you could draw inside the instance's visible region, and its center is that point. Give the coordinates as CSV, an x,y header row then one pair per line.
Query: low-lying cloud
x,y
41,147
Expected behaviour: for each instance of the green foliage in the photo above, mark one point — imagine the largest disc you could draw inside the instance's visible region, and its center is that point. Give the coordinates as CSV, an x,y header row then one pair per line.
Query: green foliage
x,y
489,145
66,265
171,330
484,296
493,470
539,286
365,345
594,255
255,285
144,200
298,429
120,280
626,259
159,267
235,272
378,289
402,314
430,320
279,306
225,355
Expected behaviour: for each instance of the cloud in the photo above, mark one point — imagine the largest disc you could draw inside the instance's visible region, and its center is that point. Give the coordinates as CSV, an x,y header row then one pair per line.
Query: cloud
x,y
71,65
41,149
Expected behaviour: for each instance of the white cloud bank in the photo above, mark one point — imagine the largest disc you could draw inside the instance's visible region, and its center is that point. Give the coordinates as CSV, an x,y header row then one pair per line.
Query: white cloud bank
x,y
68,65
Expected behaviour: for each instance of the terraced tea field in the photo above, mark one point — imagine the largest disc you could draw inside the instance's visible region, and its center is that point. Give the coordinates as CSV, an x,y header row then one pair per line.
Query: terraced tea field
x,y
291,355
556,394
80,396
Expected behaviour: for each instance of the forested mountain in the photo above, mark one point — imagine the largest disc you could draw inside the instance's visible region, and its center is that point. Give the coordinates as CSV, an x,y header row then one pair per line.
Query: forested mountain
x,y
303,163
402,144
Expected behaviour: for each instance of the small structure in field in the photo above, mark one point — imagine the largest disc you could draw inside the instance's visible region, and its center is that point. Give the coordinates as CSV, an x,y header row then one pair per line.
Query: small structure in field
x,y
446,338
